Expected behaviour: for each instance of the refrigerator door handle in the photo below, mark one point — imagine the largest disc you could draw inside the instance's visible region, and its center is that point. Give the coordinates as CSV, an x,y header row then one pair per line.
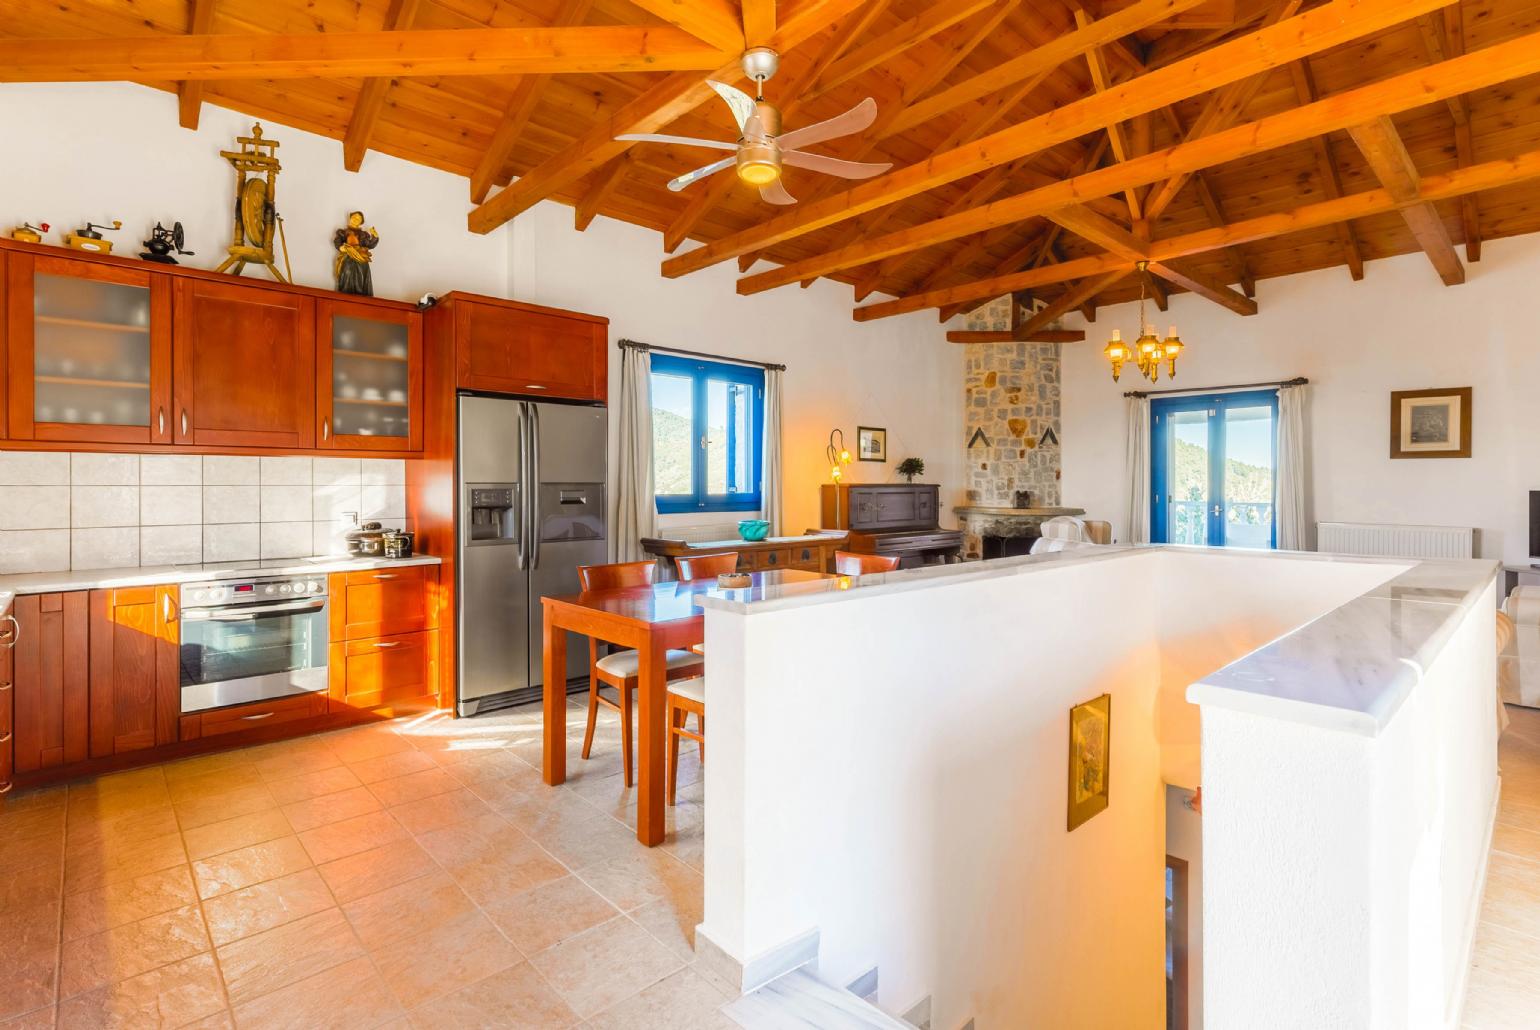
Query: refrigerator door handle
x,y
534,487
519,445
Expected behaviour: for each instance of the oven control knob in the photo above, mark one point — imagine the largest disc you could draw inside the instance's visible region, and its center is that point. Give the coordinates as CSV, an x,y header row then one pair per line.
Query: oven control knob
x,y
299,587
283,588
268,589
314,587
195,595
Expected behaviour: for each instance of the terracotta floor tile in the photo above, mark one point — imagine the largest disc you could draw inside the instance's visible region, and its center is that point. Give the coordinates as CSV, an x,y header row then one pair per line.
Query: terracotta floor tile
x,y
580,843
672,922
29,959
246,866
171,996
407,909
439,811
287,954
452,955
683,1001
360,875
351,836
233,834
401,790
516,998
367,744
330,808
213,783
89,869
93,834
605,965
506,869
192,768
472,839
394,763
37,1019
31,822
218,1021
319,1002
302,759
128,901
126,951
201,811
24,855
313,785
537,918
30,886
266,905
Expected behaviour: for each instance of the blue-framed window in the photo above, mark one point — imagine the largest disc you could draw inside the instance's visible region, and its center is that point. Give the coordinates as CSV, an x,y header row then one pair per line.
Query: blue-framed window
x,y
708,421
1213,469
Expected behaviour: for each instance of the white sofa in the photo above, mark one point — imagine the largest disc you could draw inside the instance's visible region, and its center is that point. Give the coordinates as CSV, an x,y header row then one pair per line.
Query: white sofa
x,y
1518,664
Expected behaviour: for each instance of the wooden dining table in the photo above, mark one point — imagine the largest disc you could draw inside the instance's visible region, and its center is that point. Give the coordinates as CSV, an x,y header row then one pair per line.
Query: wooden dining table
x,y
652,619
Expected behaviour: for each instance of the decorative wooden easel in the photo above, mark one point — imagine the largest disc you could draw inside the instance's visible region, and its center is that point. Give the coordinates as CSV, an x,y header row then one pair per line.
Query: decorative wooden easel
x,y
256,216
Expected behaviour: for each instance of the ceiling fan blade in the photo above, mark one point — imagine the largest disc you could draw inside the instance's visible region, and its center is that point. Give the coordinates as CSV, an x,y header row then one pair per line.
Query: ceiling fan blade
x,y
857,119
775,193
834,166
684,141
680,182
741,103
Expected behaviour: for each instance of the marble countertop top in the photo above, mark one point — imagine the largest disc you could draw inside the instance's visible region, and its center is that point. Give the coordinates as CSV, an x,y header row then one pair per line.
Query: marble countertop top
x,y
985,509
149,575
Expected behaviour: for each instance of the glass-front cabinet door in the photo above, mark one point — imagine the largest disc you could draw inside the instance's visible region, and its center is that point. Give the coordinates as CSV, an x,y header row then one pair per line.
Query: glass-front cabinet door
x,y
90,352
368,377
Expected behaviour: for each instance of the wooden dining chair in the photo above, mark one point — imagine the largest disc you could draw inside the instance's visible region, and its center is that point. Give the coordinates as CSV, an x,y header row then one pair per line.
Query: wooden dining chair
x,y
684,697
707,566
848,563
622,669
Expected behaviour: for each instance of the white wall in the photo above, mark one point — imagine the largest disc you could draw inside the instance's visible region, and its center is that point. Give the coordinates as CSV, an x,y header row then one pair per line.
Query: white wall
x,y
1398,329
898,373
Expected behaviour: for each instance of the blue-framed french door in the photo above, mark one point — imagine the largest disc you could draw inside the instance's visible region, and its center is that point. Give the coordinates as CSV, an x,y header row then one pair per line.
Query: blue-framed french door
x,y
1213,469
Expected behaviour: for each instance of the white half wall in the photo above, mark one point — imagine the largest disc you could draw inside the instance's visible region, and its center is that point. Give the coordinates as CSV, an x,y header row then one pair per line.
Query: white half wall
x,y
1398,329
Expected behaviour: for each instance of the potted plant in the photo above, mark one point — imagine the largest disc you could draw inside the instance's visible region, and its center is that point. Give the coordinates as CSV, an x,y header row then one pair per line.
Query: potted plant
x,y
911,467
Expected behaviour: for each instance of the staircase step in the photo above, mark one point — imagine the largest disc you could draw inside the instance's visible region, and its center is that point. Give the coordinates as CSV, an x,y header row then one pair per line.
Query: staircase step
x,y
799,1000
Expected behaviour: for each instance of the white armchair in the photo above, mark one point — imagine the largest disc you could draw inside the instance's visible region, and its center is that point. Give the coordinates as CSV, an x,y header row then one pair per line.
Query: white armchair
x,y
1518,661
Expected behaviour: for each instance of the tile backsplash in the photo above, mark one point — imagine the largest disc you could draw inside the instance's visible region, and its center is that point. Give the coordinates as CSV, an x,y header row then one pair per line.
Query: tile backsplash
x,y
63,511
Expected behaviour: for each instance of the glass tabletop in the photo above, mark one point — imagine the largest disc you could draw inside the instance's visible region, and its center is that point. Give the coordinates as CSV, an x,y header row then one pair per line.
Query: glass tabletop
x,y
668,602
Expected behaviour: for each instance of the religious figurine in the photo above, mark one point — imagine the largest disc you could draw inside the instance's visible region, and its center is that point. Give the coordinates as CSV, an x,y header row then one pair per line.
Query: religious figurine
x,y
353,244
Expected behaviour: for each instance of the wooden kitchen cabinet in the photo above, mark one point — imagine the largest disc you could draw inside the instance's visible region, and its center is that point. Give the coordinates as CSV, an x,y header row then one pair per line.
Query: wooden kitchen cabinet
x,y
7,708
244,366
378,602
398,672
369,383
88,352
506,347
135,679
51,680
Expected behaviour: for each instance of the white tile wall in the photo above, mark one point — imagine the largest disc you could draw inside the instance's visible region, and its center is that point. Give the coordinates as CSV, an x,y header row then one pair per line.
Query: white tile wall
x,y
83,511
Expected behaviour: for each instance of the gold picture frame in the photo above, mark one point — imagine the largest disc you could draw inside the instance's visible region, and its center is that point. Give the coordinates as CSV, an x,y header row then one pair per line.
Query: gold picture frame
x,y
1090,758
1430,423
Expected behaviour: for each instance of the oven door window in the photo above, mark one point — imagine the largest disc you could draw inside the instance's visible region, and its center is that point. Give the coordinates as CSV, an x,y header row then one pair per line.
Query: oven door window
x,y
234,645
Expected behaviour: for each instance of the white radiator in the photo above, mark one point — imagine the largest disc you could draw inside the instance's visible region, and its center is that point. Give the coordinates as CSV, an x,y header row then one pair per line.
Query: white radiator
x,y
1395,541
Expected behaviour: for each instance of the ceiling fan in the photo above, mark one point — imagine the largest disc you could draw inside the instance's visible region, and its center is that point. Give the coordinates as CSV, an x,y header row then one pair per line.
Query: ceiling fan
x,y
762,148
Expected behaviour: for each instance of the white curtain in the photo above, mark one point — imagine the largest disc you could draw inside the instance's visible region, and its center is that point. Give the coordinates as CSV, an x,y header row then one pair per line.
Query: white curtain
x,y
770,476
1293,469
636,510
1138,470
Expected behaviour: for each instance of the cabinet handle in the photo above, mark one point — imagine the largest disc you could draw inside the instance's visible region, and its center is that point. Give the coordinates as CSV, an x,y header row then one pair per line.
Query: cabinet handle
x,y
259,715
5,738
384,575
10,636
161,430
5,686
165,608
387,643
184,421
533,386
326,429
5,788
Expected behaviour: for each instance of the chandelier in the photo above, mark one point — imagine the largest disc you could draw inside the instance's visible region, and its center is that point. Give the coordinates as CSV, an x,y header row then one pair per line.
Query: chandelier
x,y
1149,350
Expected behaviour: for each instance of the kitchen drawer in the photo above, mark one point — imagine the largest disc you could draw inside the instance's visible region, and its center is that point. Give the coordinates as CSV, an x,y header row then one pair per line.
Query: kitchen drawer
x,y
381,602
398,670
241,718
779,558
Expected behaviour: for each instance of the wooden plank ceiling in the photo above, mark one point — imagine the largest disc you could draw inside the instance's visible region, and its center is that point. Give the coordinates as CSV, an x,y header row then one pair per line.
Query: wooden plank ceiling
x,y
1038,146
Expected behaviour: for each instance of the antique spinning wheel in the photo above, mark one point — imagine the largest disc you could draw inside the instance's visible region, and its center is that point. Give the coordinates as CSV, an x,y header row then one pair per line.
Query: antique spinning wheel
x,y
256,215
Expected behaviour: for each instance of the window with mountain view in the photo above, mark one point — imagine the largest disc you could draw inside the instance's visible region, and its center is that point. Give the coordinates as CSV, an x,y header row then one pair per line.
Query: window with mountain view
x,y
707,428
1213,470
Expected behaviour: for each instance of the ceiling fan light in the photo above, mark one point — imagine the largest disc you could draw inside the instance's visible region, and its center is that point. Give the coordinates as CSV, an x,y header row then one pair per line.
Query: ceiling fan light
x,y
759,164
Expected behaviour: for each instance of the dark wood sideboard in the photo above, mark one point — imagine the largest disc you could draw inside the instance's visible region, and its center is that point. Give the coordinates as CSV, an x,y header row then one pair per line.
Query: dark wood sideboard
x,y
893,519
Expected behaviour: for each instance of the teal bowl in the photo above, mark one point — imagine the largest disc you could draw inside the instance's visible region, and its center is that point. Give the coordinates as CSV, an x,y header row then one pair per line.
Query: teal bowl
x,y
753,529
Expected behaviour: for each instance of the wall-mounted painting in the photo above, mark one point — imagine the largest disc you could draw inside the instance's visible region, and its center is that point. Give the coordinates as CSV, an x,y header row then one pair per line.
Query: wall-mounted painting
x,y
1090,758
1430,423
871,443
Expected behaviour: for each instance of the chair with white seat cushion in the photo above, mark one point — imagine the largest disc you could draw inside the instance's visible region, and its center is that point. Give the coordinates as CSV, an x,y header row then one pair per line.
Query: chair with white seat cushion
x,y
684,696
622,669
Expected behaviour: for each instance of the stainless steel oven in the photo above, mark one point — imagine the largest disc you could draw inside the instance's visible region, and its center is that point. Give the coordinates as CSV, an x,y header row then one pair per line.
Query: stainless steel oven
x,y
252,640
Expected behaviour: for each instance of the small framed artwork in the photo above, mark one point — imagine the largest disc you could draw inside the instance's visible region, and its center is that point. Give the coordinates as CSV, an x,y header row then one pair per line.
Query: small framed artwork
x,y
871,443
1430,423
1090,758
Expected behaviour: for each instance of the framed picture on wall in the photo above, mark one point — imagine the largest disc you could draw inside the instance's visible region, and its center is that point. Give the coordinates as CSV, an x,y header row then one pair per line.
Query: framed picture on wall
x,y
1090,758
871,443
1430,423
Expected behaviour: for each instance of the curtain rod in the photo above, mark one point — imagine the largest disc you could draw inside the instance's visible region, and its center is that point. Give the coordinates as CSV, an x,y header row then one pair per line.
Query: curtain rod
x,y
1299,381
623,344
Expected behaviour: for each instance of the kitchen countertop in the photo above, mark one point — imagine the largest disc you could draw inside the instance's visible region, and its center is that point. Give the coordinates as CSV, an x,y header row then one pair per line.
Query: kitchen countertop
x,y
149,575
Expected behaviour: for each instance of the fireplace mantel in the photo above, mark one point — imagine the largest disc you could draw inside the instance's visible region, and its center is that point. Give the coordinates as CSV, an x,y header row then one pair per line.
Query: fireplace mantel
x,y
981,521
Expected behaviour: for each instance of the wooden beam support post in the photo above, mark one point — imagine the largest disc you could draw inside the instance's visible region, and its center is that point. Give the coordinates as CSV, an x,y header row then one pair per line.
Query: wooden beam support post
x,y
1387,156
371,95
189,93
1070,299
603,185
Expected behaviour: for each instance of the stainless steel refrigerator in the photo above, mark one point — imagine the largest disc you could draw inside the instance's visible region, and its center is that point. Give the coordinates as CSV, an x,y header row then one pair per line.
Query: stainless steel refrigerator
x,y
531,510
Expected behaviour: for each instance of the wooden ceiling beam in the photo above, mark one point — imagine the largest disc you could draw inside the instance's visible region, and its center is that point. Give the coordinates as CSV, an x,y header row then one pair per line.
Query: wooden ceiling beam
x,y
935,18
670,98
1032,254
1101,80
1444,37
371,95
716,23
604,184
521,107
758,21
1326,170
1009,336
1040,59
1501,62
1102,231
1381,146
189,92
418,52
1071,299
1488,175
1319,29
1214,209
1206,288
